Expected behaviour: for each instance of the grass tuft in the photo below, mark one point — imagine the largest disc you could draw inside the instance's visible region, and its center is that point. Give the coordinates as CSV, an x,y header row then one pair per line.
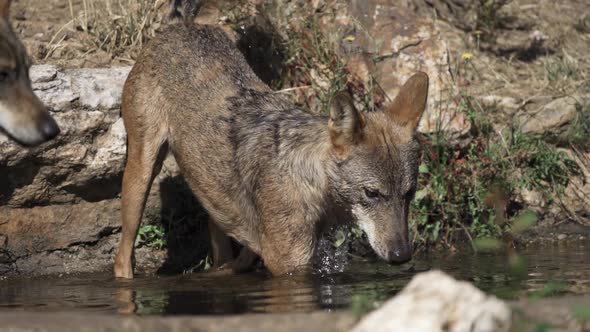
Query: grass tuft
x,y
118,27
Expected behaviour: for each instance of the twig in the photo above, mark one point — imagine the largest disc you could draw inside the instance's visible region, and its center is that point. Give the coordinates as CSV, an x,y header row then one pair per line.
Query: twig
x,y
293,88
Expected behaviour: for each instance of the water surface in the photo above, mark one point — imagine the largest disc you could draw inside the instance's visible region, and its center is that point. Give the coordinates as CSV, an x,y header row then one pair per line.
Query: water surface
x,y
200,293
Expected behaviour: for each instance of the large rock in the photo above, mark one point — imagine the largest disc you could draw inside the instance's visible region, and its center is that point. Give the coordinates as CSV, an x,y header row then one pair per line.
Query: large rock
x,y
86,160
550,116
33,230
58,238
384,40
434,301
403,43
58,201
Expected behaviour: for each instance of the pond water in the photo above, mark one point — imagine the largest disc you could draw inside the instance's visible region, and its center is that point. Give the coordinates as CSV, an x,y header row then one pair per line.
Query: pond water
x,y
200,293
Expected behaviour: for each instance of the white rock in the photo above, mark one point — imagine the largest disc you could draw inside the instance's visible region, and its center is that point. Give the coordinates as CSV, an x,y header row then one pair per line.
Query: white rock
x,y
98,88
52,87
101,87
434,301
111,147
42,73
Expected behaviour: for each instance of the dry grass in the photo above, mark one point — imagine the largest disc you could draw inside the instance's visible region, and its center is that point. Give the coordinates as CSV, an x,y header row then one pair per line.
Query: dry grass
x,y
119,28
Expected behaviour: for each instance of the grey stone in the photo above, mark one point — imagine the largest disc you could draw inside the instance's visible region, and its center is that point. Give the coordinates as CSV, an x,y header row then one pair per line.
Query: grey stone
x,y
99,88
550,116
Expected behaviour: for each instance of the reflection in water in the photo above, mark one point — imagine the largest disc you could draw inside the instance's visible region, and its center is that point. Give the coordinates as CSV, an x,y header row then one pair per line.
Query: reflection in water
x,y
125,301
258,292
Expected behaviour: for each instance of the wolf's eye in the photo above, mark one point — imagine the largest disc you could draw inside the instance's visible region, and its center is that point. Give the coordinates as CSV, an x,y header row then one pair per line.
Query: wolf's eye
x,y
371,193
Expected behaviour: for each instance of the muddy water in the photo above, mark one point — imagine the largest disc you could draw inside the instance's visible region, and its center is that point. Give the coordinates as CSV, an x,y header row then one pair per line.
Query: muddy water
x,y
205,294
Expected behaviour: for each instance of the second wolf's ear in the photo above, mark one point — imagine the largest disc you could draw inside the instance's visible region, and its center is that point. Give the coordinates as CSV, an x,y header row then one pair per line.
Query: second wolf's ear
x,y
5,9
346,123
409,104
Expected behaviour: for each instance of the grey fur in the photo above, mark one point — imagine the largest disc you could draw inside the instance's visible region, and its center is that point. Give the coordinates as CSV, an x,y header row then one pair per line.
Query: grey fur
x,y
269,174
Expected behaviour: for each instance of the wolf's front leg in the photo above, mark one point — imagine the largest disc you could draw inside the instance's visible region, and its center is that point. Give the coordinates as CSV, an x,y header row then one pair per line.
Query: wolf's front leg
x,y
287,245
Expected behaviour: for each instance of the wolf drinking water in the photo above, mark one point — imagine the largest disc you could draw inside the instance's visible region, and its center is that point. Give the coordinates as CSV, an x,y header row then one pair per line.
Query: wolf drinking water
x,y
269,174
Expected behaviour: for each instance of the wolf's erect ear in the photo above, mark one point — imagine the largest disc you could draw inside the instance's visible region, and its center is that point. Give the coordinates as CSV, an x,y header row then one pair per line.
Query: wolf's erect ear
x,y
346,123
409,104
5,8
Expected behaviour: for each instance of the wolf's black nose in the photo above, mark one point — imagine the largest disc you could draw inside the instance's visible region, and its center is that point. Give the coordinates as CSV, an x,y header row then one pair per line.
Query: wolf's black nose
x,y
49,128
400,256
400,252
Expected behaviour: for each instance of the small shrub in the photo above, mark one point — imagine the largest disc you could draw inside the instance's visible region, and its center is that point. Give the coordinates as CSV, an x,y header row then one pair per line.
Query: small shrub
x,y
152,236
578,132
468,190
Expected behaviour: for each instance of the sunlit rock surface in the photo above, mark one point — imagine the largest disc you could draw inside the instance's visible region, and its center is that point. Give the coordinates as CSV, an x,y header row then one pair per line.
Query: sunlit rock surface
x,y
434,301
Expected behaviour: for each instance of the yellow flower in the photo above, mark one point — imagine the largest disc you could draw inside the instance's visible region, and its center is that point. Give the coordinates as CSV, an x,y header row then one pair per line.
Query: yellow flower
x,y
467,56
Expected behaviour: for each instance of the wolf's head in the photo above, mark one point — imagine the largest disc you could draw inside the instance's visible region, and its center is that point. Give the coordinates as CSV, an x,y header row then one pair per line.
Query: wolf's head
x,y
377,164
22,115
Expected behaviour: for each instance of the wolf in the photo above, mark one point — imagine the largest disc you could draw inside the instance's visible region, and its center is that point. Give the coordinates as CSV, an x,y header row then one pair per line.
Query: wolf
x,y
22,115
270,175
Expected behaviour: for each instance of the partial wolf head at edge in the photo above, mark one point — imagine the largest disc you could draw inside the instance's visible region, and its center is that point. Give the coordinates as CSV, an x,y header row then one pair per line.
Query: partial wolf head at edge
x,y
23,117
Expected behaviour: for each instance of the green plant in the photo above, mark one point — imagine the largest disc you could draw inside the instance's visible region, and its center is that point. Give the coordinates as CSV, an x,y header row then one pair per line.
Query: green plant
x,y
455,184
468,190
152,236
314,63
316,68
